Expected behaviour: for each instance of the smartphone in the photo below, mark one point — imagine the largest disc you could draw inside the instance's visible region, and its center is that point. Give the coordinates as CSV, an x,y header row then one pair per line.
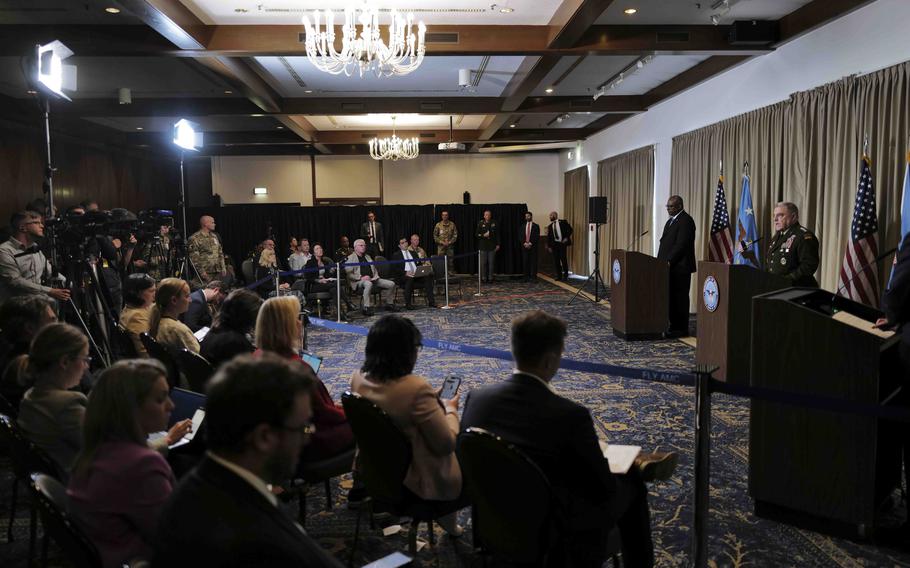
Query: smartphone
x,y
394,560
450,387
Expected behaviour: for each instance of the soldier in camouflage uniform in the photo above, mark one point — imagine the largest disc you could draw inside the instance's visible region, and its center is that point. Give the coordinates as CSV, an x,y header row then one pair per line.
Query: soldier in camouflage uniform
x,y
794,249
445,233
205,252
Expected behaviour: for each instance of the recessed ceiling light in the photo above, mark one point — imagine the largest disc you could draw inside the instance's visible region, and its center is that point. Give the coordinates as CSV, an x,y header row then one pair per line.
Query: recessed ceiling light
x,y
507,10
228,92
112,10
31,92
629,11
511,126
280,127
308,91
548,90
256,115
138,128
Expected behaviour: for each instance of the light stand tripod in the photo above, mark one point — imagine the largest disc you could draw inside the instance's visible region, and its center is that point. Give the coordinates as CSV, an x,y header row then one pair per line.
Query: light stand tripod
x,y
595,274
49,179
184,269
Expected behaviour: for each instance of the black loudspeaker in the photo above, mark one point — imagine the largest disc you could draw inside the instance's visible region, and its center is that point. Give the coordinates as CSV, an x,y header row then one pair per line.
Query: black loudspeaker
x,y
597,210
753,32
467,198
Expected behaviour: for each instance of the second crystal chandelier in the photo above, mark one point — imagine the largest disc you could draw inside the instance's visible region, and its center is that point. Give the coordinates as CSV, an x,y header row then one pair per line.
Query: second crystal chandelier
x,y
365,52
394,148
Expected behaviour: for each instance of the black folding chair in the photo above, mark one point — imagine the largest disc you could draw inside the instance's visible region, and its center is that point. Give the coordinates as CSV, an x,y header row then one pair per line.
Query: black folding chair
x,y
59,525
322,471
194,367
159,352
382,462
122,343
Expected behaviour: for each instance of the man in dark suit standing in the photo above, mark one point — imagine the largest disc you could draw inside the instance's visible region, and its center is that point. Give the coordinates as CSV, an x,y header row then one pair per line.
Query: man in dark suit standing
x,y
258,417
371,232
559,237
530,238
677,248
559,436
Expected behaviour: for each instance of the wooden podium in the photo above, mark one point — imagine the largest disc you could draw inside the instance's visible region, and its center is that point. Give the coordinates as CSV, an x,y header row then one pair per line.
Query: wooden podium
x,y
639,296
725,332
821,469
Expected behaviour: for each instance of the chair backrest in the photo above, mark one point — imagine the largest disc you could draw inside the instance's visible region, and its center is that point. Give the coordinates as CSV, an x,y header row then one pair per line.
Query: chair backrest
x,y
122,344
384,454
510,495
25,457
52,507
384,270
439,267
194,367
249,275
158,351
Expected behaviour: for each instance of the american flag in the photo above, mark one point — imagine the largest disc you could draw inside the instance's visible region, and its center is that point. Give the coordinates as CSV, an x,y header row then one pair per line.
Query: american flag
x,y
858,273
720,249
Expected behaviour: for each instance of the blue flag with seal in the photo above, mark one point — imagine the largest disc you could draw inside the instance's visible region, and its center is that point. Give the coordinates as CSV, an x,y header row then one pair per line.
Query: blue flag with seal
x,y
905,213
746,229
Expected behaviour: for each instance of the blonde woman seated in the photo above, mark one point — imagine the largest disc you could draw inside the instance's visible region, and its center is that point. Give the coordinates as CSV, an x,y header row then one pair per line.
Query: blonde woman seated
x,y
138,295
429,423
50,414
172,299
264,264
280,330
118,484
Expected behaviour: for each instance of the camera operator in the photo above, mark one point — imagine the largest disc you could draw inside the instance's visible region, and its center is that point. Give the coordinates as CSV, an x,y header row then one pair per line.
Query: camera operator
x,y
22,264
156,245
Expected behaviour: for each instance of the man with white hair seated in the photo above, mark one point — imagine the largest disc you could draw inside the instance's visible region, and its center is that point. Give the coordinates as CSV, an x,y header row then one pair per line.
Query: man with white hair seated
x,y
363,278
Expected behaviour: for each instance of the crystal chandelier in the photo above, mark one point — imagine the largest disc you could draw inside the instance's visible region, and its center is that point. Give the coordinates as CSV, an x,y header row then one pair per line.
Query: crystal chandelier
x,y
365,51
394,148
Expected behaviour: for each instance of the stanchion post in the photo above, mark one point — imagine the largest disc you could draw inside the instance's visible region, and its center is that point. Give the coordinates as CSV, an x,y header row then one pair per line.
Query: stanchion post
x,y
445,265
702,466
479,267
338,274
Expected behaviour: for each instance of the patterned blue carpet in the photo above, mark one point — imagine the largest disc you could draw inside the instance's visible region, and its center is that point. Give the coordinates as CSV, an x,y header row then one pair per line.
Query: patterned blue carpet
x,y
652,415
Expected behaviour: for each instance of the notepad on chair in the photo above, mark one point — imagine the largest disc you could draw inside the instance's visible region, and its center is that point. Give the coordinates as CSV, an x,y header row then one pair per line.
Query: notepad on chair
x,y
620,457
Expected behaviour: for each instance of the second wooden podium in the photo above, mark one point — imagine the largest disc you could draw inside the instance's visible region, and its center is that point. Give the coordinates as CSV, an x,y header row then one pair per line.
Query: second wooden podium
x,y
725,295
640,289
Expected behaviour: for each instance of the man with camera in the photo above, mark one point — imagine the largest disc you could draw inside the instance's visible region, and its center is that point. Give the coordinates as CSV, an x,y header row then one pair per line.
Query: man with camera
x,y
22,264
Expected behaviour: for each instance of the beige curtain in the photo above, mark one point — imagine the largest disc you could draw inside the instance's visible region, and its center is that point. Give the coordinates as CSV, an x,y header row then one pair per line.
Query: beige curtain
x,y
575,211
627,181
806,150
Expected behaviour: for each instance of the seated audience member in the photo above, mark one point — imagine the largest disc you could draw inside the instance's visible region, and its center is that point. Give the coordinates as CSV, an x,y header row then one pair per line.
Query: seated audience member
x,y
344,249
172,299
21,317
363,278
430,424
403,273
264,264
230,334
138,295
300,257
258,417
119,485
318,280
559,436
202,302
280,330
50,414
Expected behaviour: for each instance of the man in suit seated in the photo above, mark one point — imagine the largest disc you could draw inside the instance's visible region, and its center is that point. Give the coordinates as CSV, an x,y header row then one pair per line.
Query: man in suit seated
x,y
199,314
363,278
403,272
559,436
258,418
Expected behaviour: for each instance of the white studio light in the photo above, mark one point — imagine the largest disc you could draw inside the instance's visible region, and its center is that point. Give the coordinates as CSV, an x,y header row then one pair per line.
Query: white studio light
x,y
53,76
187,135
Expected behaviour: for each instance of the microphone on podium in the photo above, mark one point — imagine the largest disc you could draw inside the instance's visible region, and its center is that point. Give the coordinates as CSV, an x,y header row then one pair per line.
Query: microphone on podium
x,y
745,245
635,240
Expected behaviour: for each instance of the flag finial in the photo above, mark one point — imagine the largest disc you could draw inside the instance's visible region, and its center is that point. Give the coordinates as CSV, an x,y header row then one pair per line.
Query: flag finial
x,y
865,145
746,167
721,167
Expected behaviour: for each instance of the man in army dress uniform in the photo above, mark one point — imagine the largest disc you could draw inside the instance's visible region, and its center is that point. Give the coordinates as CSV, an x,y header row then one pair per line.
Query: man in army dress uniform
x,y
445,233
794,249
206,254
488,242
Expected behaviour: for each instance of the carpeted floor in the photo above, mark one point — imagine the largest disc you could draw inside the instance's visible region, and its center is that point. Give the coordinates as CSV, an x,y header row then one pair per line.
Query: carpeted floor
x,y
652,415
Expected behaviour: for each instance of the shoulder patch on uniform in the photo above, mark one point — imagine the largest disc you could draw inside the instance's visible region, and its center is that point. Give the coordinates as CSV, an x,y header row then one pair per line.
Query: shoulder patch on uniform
x,y
808,237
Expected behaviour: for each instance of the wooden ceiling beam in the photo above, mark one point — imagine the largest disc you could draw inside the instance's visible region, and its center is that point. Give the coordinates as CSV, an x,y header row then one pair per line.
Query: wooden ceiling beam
x,y
572,20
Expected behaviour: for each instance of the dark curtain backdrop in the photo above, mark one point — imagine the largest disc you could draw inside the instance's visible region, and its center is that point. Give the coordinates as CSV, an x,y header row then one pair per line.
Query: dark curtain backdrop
x,y
241,227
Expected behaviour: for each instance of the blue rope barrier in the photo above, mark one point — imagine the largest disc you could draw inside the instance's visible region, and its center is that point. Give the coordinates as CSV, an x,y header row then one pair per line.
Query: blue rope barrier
x,y
666,377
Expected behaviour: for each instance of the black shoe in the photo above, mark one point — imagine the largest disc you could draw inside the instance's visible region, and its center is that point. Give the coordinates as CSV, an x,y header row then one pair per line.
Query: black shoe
x,y
656,466
367,312
392,308
434,306
676,333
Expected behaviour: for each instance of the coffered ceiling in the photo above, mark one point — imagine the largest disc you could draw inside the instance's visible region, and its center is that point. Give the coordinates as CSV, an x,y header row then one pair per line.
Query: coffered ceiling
x,y
239,68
